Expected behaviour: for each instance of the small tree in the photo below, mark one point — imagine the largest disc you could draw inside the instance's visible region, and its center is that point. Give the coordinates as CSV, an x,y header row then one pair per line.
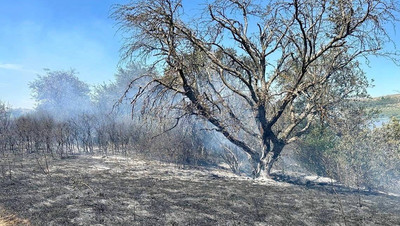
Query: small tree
x,y
258,72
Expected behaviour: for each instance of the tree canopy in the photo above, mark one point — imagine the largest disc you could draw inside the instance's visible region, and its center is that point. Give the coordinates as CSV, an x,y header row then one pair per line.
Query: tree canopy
x,y
61,93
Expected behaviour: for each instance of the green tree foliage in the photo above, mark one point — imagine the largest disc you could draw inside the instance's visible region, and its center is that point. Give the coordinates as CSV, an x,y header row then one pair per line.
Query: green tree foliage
x,y
109,97
367,158
316,150
61,93
391,134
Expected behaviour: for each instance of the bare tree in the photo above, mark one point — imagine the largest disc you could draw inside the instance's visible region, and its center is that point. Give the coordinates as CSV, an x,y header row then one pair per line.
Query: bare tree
x,y
5,155
258,72
25,130
4,126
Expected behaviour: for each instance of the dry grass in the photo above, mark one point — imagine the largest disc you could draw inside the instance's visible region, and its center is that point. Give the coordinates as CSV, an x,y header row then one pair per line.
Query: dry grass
x,y
92,190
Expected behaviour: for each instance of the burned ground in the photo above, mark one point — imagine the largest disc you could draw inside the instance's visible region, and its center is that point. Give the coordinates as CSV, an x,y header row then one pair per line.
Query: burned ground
x,y
95,190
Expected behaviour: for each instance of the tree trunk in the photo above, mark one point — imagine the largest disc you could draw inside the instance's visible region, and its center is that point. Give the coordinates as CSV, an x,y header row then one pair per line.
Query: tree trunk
x,y
263,165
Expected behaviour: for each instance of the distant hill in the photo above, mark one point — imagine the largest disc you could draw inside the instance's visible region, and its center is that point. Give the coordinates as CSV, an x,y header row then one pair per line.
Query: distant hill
x,y
388,105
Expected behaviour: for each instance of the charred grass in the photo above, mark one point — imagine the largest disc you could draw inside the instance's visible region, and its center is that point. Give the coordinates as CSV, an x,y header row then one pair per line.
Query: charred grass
x,y
92,190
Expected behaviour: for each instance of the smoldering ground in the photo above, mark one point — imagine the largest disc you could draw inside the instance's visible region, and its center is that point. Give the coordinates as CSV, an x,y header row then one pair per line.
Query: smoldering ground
x,y
98,190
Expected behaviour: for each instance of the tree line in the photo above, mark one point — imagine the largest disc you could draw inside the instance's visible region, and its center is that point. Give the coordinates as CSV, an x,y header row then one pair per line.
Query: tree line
x,y
70,119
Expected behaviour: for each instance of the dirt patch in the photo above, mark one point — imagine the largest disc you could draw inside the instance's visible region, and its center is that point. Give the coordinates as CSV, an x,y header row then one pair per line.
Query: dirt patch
x,y
92,190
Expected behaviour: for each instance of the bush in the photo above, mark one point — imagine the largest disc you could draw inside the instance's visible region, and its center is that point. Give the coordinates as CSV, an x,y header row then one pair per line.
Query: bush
x,y
316,152
368,158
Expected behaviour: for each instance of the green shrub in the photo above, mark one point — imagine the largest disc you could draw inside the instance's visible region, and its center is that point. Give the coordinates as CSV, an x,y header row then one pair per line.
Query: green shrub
x,y
368,158
317,151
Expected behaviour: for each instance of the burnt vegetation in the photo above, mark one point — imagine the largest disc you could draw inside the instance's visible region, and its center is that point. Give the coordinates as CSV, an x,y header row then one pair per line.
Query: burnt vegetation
x,y
132,191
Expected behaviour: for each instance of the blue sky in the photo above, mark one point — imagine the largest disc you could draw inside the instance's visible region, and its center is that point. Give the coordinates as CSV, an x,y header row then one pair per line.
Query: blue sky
x,y
78,34
55,34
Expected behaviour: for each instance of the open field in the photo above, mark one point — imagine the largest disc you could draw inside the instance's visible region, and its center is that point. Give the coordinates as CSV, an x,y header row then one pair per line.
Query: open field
x,y
95,190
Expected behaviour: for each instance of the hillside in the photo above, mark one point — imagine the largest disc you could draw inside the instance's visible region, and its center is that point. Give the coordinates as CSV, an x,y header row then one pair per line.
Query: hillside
x,y
89,190
388,105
